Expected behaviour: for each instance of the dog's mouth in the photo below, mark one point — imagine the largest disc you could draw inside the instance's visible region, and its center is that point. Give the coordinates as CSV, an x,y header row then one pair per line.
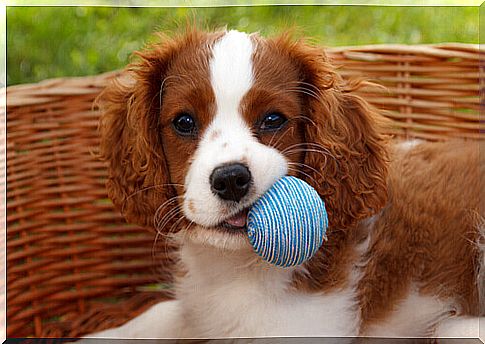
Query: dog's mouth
x,y
236,222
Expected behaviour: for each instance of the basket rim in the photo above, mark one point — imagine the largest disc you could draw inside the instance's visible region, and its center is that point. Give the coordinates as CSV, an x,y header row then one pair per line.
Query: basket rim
x,y
447,49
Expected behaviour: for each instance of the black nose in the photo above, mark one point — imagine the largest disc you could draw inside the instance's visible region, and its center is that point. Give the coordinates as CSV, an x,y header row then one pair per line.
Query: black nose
x,y
230,182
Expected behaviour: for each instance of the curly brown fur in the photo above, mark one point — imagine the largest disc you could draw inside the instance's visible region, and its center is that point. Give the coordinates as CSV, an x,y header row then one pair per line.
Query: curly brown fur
x,y
139,181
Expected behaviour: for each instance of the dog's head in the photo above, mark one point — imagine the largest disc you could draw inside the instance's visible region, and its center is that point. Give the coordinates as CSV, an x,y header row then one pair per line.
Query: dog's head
x,y
207,122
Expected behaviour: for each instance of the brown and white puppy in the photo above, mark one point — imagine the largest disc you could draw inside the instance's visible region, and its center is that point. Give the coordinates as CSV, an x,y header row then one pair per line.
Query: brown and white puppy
x,y
207,122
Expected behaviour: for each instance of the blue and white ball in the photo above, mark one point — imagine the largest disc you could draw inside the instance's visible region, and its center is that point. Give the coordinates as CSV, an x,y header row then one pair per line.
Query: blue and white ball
x,y
287,225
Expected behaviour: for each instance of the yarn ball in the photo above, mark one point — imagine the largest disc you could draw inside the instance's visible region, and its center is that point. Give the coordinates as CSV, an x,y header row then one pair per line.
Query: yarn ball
x,y
287,225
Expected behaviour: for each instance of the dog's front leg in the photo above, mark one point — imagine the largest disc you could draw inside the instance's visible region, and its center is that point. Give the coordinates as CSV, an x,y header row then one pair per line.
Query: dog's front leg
x,y
163,320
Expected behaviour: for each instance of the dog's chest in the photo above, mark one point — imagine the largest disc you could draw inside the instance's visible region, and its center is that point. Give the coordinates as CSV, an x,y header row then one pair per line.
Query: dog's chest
x,y
223,299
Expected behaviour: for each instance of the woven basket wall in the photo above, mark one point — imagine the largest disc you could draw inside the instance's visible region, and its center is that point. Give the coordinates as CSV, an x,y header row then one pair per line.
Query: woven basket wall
x,y
74,265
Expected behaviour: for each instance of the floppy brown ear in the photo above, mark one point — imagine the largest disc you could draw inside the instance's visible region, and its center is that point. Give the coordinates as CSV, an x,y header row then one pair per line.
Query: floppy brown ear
x,y
353,170
138,178
346,150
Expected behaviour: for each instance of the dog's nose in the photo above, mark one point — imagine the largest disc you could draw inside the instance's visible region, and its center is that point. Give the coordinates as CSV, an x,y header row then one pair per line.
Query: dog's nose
x,y
230,182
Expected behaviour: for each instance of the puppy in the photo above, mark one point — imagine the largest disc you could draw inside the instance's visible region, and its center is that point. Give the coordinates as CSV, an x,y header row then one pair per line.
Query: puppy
x,y
205,122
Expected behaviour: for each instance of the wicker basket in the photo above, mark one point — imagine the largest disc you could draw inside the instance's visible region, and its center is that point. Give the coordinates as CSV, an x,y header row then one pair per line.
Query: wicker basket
x,y
74,265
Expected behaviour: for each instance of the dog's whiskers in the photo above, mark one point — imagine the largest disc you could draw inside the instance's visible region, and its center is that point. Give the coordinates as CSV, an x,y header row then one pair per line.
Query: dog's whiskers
x,y
315,88
161,223
306,92
311,150
296,170
309,167
152,187
163,205
305,144
167,236
281,137
307,118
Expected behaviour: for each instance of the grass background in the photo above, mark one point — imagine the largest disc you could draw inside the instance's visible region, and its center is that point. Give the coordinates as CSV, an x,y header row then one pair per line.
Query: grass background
x,y
47,42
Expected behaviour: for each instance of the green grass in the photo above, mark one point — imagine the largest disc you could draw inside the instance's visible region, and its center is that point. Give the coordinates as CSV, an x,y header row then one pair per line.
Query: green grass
x,y
47,42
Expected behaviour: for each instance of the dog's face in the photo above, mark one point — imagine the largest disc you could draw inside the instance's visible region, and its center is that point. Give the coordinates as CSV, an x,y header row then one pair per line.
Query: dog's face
x,y
230,128
209,121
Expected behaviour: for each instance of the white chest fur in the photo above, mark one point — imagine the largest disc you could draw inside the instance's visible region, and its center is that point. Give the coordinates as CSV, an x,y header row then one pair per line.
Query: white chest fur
x,y
235,294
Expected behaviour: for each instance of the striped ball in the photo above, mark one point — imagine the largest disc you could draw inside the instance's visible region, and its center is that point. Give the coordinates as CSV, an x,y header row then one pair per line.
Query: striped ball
x,y
287,225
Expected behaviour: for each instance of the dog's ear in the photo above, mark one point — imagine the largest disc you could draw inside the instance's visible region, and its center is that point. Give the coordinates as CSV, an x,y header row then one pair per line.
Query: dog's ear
x,y
138,178
346,155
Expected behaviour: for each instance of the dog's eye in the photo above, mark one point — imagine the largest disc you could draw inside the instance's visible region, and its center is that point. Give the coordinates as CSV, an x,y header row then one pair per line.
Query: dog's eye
x,y
272,121
184,124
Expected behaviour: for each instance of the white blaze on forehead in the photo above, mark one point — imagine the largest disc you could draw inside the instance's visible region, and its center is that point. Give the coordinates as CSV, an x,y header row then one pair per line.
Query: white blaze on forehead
x,y
231,71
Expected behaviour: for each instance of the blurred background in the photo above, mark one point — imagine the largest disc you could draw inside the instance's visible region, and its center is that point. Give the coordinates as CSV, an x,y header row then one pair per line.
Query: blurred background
x,y
47,42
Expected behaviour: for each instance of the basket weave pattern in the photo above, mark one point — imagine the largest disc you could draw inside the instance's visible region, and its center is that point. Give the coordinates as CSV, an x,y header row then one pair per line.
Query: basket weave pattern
x,y
74,265
67,247
431,91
